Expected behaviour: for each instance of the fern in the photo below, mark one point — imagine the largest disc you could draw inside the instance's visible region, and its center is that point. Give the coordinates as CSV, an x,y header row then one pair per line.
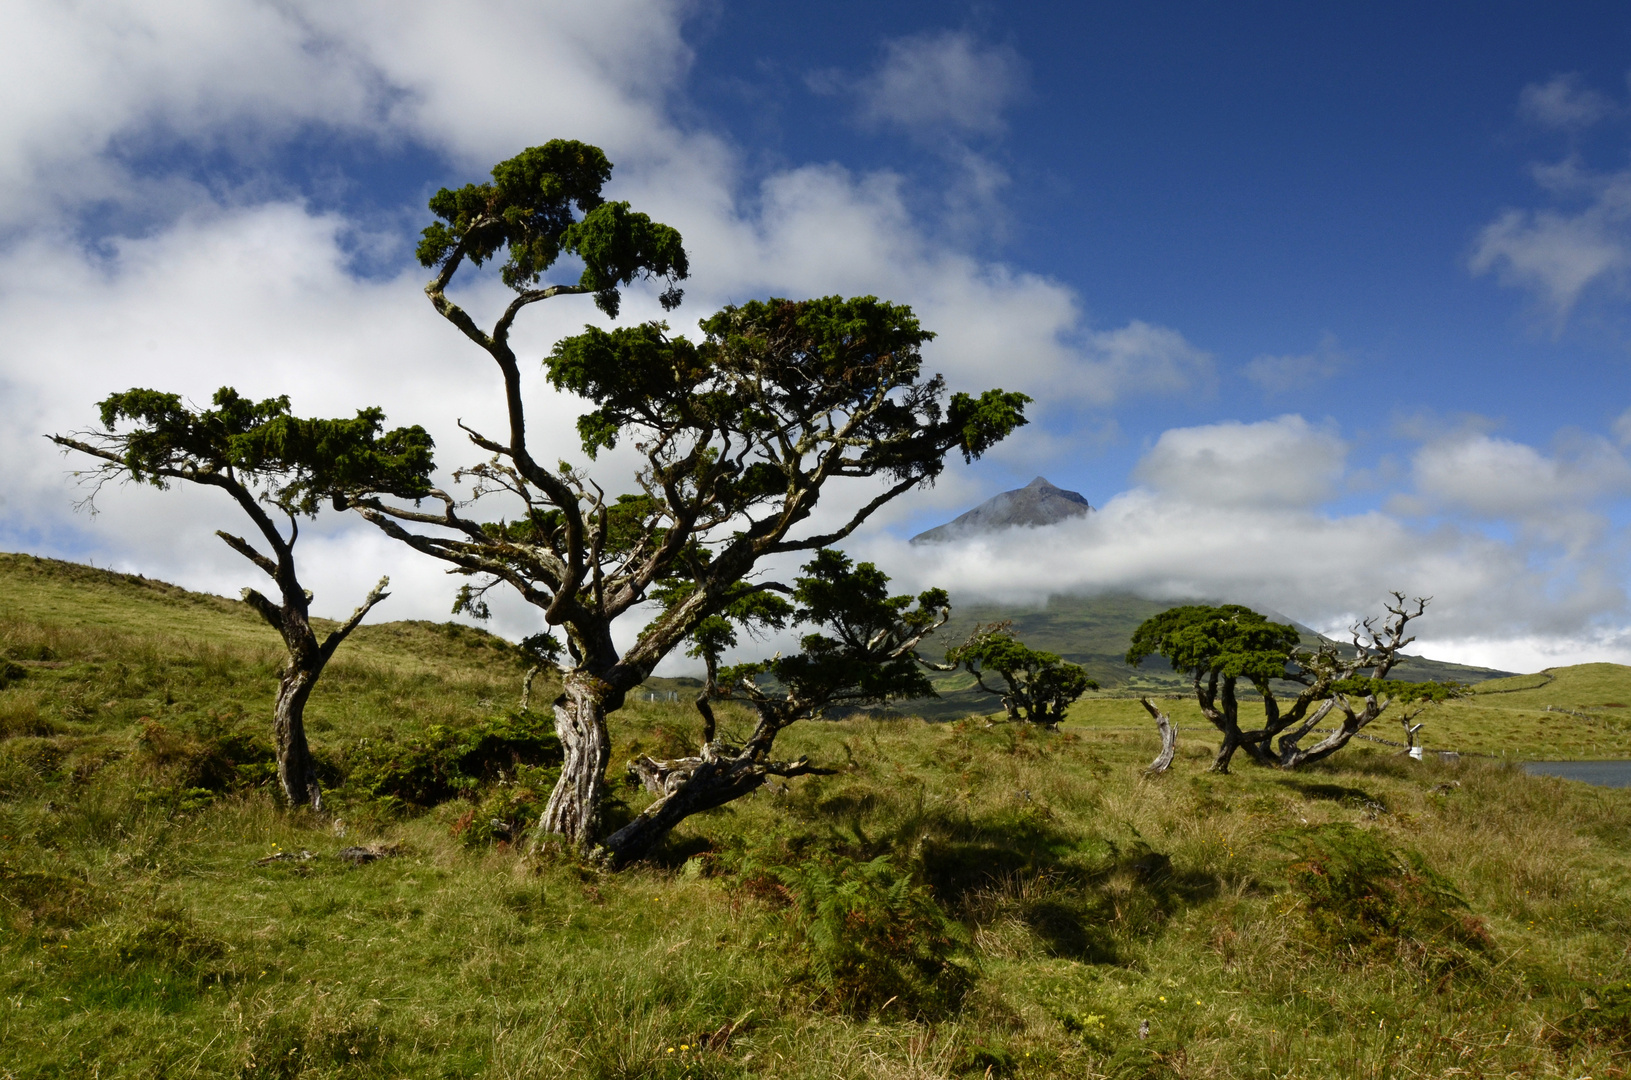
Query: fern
x,y
875,938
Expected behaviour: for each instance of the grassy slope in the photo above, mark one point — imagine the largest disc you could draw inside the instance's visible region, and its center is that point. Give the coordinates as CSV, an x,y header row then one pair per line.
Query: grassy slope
x,y
141,937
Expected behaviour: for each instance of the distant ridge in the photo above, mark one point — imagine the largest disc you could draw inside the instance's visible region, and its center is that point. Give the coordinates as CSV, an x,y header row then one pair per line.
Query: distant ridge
x,y
1037,503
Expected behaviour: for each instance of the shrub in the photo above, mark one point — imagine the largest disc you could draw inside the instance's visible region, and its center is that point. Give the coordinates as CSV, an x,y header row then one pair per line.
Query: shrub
x,y
1604,1019
1361,898
445,763
504,814
876,938
204,763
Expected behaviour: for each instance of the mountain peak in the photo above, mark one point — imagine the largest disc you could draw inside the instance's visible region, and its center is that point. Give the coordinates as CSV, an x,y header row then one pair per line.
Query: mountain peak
x,y
1037,503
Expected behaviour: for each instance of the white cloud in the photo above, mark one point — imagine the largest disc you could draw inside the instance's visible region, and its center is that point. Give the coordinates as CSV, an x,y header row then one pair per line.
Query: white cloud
x,y
1236,512
1494,602
1281,462
946,81
1561,102
258,294
1279,374
82,79
1494,478
1558,255
1323,569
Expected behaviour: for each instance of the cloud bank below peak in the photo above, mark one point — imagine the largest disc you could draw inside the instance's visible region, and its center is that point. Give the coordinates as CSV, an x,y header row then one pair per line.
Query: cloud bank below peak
x,y
1239,512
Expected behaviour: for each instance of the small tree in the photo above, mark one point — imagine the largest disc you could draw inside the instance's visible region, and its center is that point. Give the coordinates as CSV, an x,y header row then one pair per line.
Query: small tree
x,y
862,651
1039,686
1218,646
269,462
740,433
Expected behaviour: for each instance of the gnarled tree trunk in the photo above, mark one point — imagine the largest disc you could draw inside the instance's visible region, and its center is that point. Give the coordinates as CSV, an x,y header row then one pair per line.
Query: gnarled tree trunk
x,y
296,769
1291,755
573,811
690,785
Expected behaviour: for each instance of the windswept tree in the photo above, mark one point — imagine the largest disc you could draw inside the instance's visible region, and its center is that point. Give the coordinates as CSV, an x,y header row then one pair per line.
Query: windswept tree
x,y
1219,646
862,650
273,464
1037,687
738,435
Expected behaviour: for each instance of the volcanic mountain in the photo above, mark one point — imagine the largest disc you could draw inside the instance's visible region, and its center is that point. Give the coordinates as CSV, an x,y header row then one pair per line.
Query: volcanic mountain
x,y
1037,503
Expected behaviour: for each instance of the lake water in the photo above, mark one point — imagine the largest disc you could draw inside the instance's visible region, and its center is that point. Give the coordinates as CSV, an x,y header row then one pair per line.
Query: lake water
x,y
1601,773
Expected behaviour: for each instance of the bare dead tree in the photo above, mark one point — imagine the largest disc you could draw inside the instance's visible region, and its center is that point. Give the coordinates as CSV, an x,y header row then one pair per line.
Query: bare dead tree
x,y
1169,738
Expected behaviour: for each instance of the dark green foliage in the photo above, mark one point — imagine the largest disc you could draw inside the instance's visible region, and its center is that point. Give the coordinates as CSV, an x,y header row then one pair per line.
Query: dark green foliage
x,y
1232,640
1363,899
766,360
544,202
858,661
875,937
1218,646
444,763
300,462
507,809
1040,685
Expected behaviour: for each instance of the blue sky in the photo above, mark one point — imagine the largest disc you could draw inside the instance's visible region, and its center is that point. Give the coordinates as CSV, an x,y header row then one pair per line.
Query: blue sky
x,y
1316,300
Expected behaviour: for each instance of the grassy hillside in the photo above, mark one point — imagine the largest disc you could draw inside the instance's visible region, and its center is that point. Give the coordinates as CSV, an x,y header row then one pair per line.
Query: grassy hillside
x,y
1094,631
1038,901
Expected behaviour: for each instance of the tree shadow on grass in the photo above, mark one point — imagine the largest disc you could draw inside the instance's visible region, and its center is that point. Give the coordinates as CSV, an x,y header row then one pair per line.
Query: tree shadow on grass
x,y
1078,906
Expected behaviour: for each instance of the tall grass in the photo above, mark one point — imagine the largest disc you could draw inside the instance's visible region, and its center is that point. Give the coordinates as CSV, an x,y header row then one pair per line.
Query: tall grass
x,y
159,918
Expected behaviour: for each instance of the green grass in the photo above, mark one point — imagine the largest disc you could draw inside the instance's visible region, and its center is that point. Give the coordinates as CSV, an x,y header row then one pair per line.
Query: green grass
x,y
141,934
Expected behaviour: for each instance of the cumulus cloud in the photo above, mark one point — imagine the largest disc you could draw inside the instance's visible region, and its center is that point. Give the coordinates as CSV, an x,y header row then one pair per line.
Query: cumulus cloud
x,y
946,81
257,293
1489,477
1280,462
